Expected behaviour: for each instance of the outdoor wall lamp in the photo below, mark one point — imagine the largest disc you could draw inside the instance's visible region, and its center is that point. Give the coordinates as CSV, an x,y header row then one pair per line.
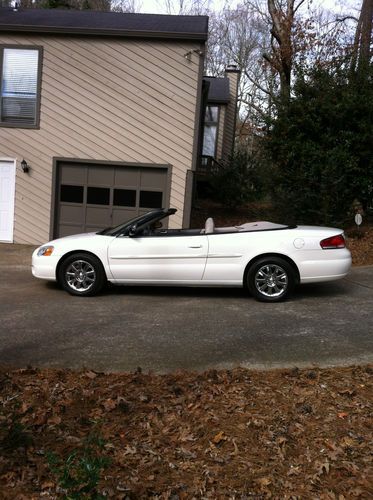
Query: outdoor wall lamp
x,y
188,55
25,166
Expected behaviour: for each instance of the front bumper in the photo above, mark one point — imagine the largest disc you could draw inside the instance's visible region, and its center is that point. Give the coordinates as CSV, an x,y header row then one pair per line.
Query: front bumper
x,y
44,267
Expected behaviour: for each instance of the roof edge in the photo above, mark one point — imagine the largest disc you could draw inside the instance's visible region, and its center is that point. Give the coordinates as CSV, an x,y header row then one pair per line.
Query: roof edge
x,y
103,32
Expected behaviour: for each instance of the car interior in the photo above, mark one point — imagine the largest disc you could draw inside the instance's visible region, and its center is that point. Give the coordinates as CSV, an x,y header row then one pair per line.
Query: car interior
x,y
154,229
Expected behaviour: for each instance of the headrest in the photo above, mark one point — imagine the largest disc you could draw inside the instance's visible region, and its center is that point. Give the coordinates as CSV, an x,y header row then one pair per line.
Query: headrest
x,y
209,226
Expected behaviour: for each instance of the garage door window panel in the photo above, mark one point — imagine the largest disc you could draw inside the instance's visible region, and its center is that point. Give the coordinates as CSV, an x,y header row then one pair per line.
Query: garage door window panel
x,y
98,196
125,197
151,199
71,194
20,71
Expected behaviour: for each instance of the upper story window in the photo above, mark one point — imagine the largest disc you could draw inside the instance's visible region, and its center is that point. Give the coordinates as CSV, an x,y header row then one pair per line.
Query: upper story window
x,y
210,131
20,86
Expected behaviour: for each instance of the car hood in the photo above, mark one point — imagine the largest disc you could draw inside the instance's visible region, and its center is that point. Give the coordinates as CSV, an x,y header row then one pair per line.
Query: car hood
x,y
71,238
82,241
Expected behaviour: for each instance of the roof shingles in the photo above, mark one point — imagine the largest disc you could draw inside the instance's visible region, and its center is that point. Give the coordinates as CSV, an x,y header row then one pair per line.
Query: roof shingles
x,y
218,91
104,23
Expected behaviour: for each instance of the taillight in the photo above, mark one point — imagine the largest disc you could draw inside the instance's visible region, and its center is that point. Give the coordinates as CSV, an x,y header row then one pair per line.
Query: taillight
x,y
333,242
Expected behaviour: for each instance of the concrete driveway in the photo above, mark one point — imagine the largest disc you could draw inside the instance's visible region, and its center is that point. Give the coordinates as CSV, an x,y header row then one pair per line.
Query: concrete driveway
x,y
164,329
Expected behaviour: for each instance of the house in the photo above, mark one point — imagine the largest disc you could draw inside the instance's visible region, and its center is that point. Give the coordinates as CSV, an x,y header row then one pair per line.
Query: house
x,y
100,119
220,108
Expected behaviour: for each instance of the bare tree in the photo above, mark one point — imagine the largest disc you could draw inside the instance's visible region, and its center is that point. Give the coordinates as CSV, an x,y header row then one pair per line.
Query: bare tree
x,y
282,14
362,48
240,36
321,38
125,5
102,5
186,7
98,5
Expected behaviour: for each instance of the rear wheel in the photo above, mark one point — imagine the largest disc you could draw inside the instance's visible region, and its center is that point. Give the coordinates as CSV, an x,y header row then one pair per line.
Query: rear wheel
x,y
271,279
82,274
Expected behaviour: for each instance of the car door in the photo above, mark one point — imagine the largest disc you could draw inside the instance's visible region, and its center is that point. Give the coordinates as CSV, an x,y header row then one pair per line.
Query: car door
x,y
158,259
228,256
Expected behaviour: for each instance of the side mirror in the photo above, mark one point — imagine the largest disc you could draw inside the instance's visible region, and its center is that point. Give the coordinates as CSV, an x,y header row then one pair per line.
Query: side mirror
x,y
132,230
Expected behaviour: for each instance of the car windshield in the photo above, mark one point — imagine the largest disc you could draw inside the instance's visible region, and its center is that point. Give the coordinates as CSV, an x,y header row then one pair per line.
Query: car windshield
x,y
139,221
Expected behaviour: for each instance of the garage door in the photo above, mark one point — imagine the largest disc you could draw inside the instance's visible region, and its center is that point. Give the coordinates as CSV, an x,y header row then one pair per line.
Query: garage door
x,y
92,197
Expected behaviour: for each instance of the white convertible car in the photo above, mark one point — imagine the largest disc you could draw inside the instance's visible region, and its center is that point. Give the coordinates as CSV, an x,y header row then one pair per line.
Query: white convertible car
x,y
269,259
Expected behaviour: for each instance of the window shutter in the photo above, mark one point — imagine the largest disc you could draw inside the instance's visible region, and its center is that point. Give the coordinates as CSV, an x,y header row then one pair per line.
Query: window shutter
x,y
19,86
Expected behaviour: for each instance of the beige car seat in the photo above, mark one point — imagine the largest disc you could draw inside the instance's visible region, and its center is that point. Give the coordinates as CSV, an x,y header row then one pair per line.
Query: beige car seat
x,y
209,226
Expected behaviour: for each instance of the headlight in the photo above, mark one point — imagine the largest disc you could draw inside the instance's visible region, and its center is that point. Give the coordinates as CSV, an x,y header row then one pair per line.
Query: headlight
x,y
46,251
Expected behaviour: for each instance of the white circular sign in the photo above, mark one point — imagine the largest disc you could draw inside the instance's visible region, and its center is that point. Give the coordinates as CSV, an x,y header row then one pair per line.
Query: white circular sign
x,y
358,219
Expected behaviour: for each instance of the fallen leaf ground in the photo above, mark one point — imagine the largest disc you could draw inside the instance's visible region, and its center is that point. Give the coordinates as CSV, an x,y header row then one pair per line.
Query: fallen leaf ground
x,y
361,246
220,434
239,434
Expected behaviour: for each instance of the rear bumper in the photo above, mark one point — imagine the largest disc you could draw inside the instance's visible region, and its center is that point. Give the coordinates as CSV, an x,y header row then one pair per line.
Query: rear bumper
x,y
335,267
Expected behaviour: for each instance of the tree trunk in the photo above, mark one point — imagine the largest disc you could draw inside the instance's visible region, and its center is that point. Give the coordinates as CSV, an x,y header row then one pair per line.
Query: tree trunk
x,y
282,45
361,56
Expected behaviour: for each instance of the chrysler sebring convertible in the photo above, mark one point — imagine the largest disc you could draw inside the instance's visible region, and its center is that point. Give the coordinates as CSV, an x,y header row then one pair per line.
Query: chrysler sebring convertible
x,y
268,259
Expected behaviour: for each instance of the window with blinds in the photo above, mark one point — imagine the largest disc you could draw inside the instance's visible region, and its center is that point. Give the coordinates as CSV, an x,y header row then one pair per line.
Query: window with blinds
x,y
19,86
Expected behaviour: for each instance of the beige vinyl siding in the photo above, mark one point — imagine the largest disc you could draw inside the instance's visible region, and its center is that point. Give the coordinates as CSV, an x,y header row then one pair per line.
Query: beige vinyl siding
x,y
229,130
104,99
230,115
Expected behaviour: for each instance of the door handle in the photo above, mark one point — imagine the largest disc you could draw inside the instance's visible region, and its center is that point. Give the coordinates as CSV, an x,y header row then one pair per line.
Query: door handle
x,y
195,246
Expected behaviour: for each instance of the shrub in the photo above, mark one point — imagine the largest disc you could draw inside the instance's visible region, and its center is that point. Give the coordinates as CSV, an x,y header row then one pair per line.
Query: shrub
x,y
321,149
238,180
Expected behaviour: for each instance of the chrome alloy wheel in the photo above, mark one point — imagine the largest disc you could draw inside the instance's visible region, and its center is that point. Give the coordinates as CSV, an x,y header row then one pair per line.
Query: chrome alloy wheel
x,y
80,275
271,280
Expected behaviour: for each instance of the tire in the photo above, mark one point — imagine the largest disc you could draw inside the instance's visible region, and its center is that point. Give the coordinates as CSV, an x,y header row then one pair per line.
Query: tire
x,y
82,274
271,279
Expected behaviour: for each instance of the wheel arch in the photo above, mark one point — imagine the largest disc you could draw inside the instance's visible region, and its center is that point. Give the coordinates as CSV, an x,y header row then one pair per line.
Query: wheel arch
x,y
72,252
270,254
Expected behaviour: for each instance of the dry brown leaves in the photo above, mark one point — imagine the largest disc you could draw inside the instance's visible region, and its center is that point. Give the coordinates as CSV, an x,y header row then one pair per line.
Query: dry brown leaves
x,y
221,434
362,248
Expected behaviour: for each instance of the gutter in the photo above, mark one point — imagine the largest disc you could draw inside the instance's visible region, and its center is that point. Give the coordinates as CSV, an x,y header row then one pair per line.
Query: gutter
x,y
6,28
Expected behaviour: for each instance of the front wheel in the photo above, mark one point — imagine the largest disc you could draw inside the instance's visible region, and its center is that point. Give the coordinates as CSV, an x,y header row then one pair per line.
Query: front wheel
x,y
271,279
82,274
